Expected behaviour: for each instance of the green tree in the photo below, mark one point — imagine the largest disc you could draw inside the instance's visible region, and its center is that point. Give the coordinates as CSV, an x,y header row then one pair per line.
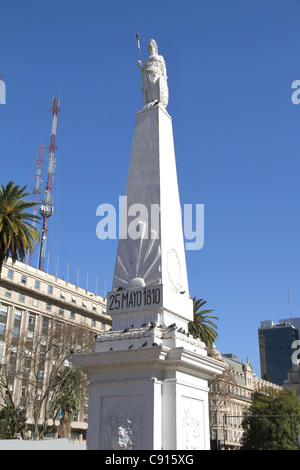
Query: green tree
x,y
68,400
202,325
17,234
272,421
12,422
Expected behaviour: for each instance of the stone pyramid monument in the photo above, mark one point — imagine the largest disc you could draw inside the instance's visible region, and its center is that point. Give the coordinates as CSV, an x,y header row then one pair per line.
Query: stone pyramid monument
x,y
148,376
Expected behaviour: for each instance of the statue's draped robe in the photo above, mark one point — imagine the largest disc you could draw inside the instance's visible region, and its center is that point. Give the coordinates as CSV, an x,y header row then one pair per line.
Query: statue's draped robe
x,y
154,81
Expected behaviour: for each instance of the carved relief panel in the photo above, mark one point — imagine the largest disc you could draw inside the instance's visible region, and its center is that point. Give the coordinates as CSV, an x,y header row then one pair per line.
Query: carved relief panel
x,y
193,424
120,423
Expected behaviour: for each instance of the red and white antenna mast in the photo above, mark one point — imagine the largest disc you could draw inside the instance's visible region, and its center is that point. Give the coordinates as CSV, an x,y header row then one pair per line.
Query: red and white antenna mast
x,y
36,190
47,207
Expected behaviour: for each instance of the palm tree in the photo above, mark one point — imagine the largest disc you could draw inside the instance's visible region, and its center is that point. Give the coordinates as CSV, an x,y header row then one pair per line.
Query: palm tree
x,y
17,235
203,326
70,386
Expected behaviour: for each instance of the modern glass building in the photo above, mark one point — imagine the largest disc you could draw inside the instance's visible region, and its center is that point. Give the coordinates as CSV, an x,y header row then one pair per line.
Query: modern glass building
x,y
275,349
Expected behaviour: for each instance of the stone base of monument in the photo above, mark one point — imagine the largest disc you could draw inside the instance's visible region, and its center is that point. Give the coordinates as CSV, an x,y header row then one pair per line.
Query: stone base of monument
x,y
148,390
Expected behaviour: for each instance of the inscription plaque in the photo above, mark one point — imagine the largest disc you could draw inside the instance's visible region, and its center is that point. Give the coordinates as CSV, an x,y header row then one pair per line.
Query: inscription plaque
x,y
134,299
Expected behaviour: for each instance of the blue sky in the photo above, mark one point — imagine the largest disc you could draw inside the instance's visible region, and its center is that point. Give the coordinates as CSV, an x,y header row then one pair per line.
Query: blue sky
x,y
230,67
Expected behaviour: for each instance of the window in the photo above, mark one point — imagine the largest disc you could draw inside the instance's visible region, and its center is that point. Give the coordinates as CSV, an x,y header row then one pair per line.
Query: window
x,y
14,351
31,325
83,319
61,311
18,315
9,389
3,310
50,289
93,322
16,332
48,306
94,307
30,335
45,322
73,298
22,298
10,274
84,303
72,315
35,302
63,294
37,284
24,279
2,329
28,355
8,293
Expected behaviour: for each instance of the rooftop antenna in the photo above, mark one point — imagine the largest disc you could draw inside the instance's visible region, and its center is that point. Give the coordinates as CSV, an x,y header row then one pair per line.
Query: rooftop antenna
x,y
47,207
57,268
77,277
290,304
36,190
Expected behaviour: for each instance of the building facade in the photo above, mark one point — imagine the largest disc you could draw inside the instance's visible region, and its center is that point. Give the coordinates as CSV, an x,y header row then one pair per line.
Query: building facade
x,y
230,394
276,349
34,306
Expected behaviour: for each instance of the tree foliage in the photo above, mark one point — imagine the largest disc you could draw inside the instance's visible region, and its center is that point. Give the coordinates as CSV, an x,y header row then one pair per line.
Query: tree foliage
x,y
272,421
45,384
17,233
12,422
202,325
70,392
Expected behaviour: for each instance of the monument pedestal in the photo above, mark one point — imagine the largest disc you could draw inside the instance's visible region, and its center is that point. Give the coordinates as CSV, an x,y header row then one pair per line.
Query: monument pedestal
x,y
148,390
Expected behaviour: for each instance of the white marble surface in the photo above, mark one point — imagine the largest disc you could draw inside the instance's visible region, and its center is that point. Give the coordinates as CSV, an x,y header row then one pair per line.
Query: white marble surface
x,y
152,182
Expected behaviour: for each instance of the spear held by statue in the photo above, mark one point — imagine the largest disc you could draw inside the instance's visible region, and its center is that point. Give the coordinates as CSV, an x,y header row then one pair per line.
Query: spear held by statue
x,y
138,42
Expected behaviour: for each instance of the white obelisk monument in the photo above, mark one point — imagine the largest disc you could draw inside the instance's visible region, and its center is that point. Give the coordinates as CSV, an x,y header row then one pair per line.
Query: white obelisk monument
x,y
148,376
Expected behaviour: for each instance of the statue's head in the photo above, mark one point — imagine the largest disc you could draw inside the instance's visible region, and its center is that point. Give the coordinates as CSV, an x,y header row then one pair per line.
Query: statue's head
x,y
121,437
152,47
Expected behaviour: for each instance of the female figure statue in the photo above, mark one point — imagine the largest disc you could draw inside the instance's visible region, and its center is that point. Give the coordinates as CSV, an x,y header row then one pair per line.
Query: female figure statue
x,y
154,78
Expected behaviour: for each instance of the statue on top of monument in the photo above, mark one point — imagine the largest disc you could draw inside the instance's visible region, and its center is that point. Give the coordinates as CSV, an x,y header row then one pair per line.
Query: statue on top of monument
x,y
154,77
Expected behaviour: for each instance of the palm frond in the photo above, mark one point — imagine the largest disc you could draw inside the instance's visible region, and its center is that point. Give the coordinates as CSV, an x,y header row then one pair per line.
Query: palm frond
x,y
18,235
203,325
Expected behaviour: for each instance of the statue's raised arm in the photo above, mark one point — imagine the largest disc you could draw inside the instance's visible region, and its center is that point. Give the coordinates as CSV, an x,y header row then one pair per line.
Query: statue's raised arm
x,y
154,78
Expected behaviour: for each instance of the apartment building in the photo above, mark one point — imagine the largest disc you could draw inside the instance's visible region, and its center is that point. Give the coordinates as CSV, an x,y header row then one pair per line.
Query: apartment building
x,y
31,299
229,396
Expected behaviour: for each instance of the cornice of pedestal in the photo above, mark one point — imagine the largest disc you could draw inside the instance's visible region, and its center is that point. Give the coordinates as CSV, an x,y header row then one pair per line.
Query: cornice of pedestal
x,y
149,348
